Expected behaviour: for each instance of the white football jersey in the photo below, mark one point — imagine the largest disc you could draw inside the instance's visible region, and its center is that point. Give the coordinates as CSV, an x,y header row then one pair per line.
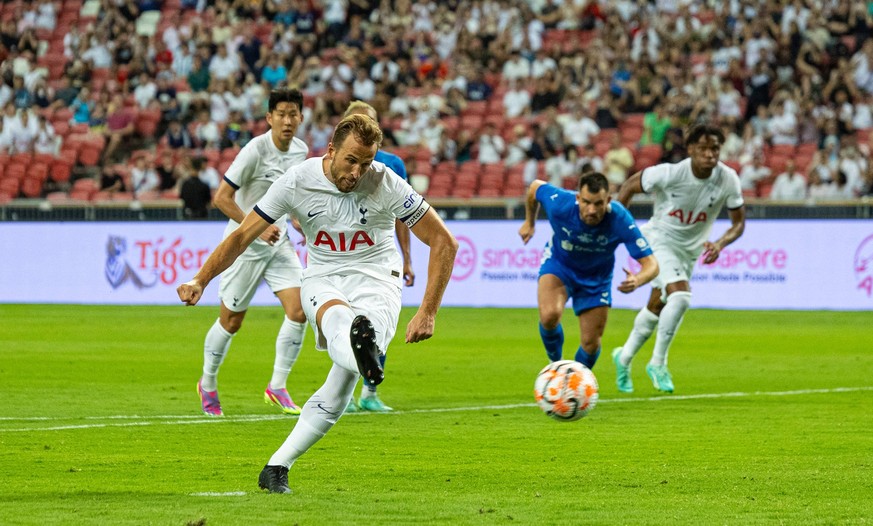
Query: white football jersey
x,y
685,206
257,166
346,232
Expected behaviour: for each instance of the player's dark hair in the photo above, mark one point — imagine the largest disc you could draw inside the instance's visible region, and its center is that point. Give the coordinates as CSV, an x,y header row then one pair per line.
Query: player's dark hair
x,y
291,95
700,130
595,182
365,129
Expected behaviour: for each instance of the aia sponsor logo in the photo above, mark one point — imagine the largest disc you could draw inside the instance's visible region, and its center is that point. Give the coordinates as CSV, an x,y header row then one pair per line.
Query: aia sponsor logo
x,y
342,243
863,265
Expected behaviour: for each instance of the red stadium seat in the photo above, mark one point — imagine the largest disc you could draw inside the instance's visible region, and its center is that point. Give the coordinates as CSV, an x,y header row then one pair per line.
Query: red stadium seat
x,y
31,187
38,171
10,187
60,171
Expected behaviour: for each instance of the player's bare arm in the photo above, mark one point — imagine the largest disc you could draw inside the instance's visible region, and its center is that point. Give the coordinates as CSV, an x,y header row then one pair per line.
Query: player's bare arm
x,y
711,250
222,257
647,273
431,230
224,201
631,187
531,210
402,232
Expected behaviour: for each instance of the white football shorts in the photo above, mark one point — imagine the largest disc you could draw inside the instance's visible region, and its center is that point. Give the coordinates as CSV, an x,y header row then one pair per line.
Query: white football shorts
x,y
376,299
675,264
282,270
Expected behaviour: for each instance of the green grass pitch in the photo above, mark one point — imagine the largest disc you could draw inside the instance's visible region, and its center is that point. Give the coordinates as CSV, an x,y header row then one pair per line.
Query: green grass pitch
x,y
771,423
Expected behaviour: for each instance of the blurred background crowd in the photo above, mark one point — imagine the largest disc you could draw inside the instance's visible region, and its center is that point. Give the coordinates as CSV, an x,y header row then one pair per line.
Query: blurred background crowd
x,y
128,99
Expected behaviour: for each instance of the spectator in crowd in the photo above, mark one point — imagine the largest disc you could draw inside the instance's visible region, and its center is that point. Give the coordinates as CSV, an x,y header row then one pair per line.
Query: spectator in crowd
x,y
5,139
110,180
205,173
655,126
491,145
177,136
46,140
119,126
143,177
206,133
819,190
82,106
752,175
196,196
236,132
168,172
274,73
618,162
790,185
24,134
446,149
146,90
200,77
579,128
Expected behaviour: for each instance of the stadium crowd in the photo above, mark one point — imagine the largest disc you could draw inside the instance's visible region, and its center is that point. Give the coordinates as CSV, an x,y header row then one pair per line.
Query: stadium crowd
x,y
128,99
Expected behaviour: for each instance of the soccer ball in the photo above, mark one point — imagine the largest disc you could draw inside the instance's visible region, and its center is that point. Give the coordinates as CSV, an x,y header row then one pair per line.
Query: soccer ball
x,y
566,390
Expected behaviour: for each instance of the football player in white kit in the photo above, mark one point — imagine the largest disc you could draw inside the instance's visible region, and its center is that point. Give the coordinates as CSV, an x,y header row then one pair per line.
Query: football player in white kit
x,y
346,204
689,195
271,257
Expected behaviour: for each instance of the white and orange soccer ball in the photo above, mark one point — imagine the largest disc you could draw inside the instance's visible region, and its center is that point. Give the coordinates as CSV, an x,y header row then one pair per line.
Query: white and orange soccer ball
x,y
566,390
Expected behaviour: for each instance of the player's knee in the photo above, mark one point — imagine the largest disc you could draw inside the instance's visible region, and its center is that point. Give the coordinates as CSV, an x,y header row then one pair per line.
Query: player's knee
x,y
232,322
550,320
296,315
680,299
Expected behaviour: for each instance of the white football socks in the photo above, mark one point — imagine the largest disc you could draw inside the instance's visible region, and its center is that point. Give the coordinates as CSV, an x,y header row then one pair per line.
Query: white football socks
x,y
288,344
319,414
671,318
336,324
214,350
644,326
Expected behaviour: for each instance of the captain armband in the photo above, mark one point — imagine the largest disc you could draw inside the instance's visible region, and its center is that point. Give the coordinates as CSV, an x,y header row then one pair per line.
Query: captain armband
x,y
416,215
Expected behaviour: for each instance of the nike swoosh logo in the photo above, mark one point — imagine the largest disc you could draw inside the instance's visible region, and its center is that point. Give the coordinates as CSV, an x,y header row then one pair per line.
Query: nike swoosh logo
x,y
313,214
326,411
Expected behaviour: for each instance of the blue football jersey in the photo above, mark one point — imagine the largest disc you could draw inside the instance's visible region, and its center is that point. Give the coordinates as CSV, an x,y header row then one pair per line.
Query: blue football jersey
x,y
394,162
588,251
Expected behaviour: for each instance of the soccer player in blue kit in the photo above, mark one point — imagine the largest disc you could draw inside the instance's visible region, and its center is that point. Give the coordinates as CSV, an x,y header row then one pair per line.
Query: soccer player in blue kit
x,y
579,258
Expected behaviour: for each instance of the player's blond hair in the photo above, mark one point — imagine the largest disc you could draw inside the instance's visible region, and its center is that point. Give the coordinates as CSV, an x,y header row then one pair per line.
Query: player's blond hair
x,y
364,128
359,107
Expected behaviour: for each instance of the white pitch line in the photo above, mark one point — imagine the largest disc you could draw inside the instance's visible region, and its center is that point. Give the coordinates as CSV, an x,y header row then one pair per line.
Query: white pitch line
x,y
218,494
171,420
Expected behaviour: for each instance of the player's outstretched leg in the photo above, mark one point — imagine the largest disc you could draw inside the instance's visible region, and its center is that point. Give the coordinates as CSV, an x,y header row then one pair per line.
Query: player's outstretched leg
x,y
363,340
274,479
622,373
319,414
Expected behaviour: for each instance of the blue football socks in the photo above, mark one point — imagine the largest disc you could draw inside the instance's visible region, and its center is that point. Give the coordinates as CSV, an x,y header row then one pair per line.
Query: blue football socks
x,y
553,340
588,360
